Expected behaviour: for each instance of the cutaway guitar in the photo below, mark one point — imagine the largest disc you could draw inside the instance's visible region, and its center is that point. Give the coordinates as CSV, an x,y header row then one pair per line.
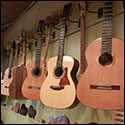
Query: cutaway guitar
x,y
58,90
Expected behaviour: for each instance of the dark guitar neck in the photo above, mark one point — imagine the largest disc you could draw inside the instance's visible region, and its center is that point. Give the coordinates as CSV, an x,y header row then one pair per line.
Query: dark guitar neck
x,y
11,62
107,28
61,44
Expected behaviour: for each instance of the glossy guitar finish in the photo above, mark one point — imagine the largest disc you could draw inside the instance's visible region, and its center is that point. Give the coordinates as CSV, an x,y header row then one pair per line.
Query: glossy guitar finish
x,y
7,77
96,74
19,74
65,97
6,83
102,85
32,84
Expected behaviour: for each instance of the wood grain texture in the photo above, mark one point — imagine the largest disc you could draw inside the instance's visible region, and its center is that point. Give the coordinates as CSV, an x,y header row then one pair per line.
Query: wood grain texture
x,y
31,80
103,75
64,98
6,83
19,75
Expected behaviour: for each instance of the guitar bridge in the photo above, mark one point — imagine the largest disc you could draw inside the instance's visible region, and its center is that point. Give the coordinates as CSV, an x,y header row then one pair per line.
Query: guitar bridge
x,y
105,87
57,87
34,87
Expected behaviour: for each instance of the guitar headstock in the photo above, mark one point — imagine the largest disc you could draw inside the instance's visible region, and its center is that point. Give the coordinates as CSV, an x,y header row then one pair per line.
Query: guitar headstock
x,y
66,11
52,20
41,26
23,35
82,6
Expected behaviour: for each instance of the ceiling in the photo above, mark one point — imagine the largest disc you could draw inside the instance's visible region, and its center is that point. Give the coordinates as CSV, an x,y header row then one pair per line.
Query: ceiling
x,y
10,10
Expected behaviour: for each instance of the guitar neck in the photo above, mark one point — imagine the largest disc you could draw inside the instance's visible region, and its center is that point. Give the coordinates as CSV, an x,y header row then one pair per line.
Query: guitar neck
x,y
82,42
16,55
38,51
24,53
61,43
107,28
47,44
11,62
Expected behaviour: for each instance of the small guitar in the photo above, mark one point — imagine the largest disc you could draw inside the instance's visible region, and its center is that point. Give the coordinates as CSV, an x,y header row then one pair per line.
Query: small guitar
x,y
19,73
8,75
58,90
102,85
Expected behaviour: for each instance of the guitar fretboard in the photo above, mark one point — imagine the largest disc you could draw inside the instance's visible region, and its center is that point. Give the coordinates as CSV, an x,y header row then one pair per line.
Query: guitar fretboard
x,y
38,51
61,43
107,28
11,62
82,42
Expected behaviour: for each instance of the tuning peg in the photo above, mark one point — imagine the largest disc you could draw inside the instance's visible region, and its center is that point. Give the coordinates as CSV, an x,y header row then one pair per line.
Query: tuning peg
x,y
35,43
44,39
29,47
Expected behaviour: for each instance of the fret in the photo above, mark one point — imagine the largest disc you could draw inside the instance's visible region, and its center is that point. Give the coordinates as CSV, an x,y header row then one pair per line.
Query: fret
x,y
107,28
62,36
11,63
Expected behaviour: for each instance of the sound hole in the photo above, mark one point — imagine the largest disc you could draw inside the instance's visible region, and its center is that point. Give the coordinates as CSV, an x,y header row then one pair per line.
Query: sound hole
x,y
105,59
58,71
36,71
9,76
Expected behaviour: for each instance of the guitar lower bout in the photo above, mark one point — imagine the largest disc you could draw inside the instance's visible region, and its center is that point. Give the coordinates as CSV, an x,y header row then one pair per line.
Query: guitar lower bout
x,y
60,91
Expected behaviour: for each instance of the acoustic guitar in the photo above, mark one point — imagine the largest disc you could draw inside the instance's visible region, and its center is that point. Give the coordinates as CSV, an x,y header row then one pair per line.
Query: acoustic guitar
x,y
31,85
36,75
102,85
58,90
8,75
19,73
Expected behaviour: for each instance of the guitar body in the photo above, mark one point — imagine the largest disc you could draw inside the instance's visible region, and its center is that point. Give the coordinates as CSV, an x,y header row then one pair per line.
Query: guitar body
x,y
19,75
6,83
96,74
32,84
60,98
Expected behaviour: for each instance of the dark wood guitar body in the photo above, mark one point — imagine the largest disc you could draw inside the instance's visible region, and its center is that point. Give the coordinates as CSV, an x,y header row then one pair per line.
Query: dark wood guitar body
x,y
19,75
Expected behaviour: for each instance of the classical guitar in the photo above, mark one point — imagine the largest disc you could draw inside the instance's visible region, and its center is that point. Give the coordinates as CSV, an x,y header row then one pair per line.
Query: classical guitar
x,y
32,84
8,75
36,75
19,73
58,90
102,85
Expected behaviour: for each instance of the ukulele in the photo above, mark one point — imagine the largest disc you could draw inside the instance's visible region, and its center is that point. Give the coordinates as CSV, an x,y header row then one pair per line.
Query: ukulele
x,y
19,73
8,74
31,85
102,85
58,90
